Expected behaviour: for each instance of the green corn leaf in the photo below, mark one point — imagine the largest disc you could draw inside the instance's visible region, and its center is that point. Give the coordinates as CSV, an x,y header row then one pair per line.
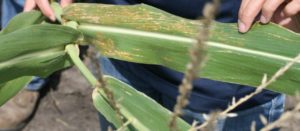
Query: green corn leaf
x,y
57,10
35,50
99,101
143,113
26,51
11,88
23,20
144,34
102,105
140,111
35,38
73,52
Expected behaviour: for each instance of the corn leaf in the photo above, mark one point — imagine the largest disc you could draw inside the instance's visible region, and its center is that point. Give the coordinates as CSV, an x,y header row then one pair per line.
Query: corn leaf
x,y
143,113
11,88
144,34
36,50
57,10
23,20
29,48
102,105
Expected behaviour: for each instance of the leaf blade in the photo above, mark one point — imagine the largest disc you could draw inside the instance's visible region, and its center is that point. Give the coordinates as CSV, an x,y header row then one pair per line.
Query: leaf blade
x,y
146,115
11,88
232,57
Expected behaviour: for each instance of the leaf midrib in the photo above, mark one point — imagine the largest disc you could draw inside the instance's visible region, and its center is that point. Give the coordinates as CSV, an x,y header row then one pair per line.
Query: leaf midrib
x,y
186,40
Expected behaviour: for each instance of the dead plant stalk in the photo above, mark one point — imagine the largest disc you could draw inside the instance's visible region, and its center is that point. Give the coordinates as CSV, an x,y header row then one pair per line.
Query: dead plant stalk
x,y
101,84
197,56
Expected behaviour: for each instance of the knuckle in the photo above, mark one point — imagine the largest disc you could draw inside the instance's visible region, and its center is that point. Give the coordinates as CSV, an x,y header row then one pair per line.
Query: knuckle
x,y
268,9
245,16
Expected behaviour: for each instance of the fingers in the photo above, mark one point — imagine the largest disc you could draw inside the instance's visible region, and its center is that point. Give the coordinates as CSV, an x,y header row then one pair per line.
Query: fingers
x,y
29,5
65,3
291,22
292,8
280,11
268,9
46,9
44,6
278,14
285,22
243,5
248,14
241,10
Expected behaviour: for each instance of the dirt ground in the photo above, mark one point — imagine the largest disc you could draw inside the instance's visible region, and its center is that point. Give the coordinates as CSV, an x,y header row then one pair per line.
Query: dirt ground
x,y
67,106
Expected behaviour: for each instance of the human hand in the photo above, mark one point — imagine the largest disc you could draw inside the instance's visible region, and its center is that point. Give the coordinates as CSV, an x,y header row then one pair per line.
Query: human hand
x,y
44,6
282,12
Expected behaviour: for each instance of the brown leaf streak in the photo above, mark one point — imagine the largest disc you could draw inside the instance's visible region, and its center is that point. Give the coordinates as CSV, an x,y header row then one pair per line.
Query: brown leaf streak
x,y
152,19
107,47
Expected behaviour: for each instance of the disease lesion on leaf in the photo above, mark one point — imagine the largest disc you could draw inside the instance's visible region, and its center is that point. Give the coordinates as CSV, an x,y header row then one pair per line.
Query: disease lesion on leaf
x,y
152,19
108,48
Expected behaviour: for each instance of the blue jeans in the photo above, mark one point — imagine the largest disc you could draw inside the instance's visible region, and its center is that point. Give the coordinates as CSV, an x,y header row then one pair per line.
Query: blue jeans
x,y
9,9
271,110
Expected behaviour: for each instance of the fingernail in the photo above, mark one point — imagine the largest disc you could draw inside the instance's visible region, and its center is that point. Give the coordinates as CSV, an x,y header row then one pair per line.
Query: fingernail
x,y
52,18
263,19
242,27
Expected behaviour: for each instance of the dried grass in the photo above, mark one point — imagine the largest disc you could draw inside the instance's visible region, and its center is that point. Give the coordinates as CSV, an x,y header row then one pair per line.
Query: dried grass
x,y
197,56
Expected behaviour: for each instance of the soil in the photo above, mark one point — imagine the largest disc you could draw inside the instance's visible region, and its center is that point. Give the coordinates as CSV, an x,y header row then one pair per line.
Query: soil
x,y
65,105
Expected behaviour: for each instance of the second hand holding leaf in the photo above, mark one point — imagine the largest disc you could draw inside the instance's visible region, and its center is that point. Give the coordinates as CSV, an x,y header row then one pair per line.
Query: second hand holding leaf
x,y
44,6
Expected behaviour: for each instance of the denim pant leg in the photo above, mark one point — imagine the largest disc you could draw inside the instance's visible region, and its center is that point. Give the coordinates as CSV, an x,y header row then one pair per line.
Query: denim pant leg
x,y
10,8
244,119
271,111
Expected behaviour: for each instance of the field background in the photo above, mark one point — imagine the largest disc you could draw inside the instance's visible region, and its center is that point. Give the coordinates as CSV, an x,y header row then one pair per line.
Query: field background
x,y
66,105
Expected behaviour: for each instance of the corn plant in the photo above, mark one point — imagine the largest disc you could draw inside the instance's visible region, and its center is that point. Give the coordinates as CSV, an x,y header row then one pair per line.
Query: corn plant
x,y
30,46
